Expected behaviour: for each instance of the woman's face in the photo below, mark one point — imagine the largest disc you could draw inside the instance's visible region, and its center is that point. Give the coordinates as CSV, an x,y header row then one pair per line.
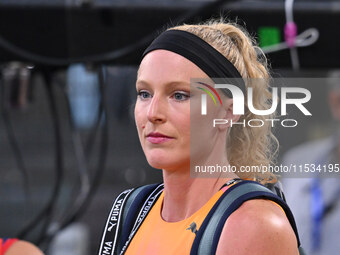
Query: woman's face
x,y
163,106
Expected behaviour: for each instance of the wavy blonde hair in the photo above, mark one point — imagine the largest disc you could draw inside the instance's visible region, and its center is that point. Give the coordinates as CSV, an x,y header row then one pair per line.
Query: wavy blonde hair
x,y
246,146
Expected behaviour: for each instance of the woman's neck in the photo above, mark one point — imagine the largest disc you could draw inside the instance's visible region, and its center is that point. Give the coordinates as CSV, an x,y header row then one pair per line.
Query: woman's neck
x,y
183,196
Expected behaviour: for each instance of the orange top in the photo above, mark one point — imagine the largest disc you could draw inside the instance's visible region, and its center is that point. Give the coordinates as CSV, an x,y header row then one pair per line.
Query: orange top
x,y
156,236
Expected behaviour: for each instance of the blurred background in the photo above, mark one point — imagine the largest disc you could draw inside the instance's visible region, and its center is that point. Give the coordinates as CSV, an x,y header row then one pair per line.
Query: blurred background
x,y
68,142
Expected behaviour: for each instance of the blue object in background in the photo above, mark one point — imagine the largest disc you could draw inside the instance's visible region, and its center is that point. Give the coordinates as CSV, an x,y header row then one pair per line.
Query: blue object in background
x,y
84,96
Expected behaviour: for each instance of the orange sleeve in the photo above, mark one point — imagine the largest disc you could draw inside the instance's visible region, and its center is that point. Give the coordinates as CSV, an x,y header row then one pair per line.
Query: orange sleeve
x,y
278,206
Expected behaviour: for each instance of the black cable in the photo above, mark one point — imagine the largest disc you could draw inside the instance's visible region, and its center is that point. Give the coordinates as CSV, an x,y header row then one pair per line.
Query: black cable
x,y
13,141
102,153
112,55
59,167
47,211
77,212
81,156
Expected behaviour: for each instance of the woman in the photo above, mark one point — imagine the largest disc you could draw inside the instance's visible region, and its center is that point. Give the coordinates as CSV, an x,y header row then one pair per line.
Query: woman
x,y
163,117
14,246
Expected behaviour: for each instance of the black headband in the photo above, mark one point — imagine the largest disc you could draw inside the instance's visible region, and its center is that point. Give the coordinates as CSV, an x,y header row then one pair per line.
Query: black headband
x,y
198,51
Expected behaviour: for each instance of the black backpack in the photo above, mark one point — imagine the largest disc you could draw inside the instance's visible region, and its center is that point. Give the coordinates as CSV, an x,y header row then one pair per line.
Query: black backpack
x,y
132,206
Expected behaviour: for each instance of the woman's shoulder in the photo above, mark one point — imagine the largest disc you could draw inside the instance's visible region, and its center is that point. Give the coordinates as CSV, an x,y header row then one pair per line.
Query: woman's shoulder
x,y
259,226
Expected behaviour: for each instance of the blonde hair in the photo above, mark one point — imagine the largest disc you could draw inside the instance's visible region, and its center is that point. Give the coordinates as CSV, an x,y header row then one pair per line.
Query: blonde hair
x,y
246,146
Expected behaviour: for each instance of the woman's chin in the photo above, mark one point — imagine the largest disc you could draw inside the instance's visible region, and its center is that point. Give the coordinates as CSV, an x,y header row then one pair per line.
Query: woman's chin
x,y
159,164
163,161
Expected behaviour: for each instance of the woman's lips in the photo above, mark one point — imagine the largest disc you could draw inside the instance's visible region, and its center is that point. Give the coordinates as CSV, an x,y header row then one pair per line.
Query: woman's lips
x,y
159,139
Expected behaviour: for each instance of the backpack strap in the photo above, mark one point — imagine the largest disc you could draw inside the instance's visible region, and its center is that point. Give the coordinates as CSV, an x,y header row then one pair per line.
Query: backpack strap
x,y
109,238
208,235
277,189
140,205
127,213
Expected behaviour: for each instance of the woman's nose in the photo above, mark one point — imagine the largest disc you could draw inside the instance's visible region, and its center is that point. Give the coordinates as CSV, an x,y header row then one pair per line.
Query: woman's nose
x,y
157,110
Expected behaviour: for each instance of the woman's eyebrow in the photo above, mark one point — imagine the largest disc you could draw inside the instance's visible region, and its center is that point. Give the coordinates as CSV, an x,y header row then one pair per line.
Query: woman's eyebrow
x,y
138,81
169,85
176,84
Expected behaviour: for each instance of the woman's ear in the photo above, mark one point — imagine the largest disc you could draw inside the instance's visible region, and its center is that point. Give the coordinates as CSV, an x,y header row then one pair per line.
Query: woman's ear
x,y
229,115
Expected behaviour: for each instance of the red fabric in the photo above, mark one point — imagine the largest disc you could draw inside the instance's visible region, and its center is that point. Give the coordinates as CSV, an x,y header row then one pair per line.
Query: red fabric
x,y
4,245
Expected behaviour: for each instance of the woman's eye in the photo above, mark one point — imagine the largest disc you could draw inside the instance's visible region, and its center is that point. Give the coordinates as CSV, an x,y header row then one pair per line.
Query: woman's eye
x,y
181,96
143,94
